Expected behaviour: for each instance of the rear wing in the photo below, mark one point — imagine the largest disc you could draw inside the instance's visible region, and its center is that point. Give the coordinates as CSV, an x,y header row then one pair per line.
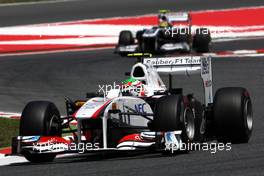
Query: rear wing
x,y
178,17
186,65
175,65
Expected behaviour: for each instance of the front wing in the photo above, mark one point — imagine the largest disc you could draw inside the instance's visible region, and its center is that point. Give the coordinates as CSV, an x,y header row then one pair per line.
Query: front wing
x,y
133,142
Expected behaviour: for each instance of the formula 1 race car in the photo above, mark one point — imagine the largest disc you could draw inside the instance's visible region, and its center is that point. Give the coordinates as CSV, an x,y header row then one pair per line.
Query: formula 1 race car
x,y
141,114
174,33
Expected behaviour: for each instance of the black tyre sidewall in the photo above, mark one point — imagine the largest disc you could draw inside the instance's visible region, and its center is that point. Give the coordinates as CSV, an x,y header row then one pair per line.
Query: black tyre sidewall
x,y
169,115
36,118
35,121
165,110
125,38
201,41
229,115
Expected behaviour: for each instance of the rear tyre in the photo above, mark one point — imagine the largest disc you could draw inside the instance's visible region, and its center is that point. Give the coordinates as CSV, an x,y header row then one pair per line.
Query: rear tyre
x,y
202,40
40,118
233,115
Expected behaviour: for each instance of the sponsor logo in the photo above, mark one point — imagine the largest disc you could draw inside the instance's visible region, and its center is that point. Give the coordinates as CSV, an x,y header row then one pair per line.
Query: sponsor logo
x,y
91,105
173,61
208,83
140,108
205,66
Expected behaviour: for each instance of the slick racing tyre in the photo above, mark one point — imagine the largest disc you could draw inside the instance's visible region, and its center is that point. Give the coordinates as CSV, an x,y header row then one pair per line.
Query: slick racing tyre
x,y
40,118
202,40
172,114
232,113
125,38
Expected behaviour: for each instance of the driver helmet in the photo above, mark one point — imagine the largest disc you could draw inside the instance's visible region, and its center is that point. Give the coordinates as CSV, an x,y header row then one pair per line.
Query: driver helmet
x,y
163,19
133,87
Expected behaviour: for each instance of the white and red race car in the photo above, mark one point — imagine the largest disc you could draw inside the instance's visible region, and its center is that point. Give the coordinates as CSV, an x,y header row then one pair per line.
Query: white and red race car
x,y
142,114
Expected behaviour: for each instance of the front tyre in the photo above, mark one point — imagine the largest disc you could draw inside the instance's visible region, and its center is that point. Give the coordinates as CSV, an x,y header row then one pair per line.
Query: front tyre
x,y
40,118
171,114
233,115
125,38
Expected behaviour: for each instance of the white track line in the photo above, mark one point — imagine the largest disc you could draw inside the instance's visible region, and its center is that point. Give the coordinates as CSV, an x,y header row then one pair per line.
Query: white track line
x,y
238,56
71,41
74,29
9,114
83,30
7,160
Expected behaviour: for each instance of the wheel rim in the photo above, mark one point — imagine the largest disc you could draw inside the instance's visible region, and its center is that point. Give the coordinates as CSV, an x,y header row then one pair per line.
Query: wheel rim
x,y
249,114
189,123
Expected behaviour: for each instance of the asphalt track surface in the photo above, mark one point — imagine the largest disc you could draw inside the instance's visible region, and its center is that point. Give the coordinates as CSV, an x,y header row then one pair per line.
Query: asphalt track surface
x,y
53,76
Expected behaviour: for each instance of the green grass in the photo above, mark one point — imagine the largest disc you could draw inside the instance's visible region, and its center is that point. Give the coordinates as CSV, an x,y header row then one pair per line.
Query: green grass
x,y
12,1
8,128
